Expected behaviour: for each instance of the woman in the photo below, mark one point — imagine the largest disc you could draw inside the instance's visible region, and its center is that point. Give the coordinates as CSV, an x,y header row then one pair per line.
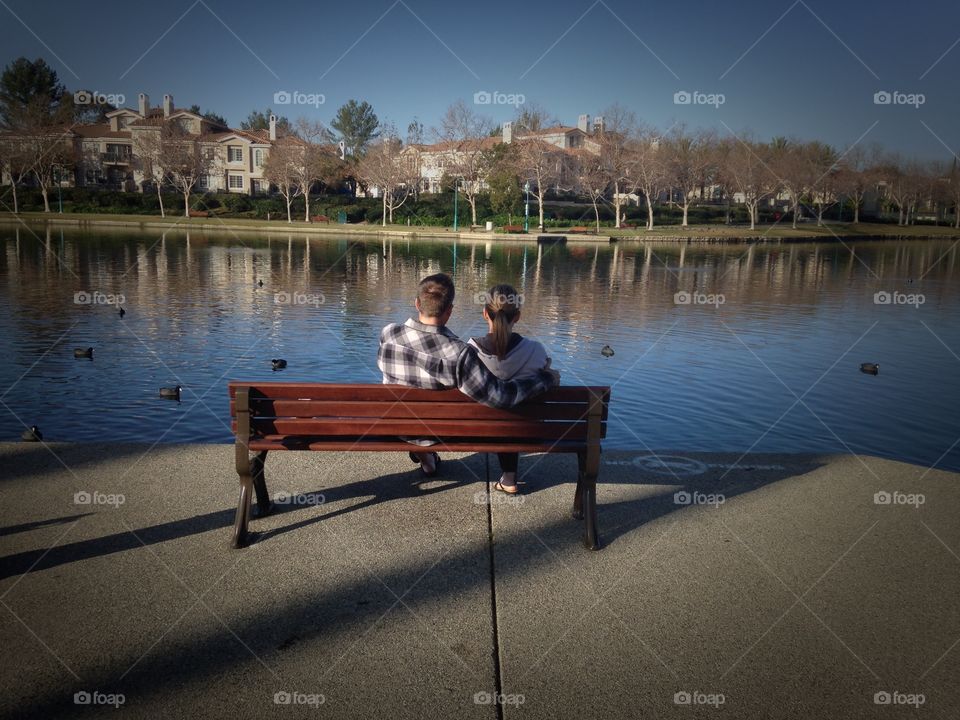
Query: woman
x,y
509,356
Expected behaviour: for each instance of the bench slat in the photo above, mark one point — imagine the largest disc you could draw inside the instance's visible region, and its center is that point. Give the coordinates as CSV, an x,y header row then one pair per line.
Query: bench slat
x,y
413,428
280,442
369,393
264,407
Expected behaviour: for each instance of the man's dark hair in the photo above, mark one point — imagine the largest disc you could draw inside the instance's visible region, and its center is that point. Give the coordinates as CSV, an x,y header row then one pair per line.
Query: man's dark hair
x,y
435,294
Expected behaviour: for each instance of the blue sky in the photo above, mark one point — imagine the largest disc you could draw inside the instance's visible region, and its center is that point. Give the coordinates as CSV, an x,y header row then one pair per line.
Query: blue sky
x,y
813,75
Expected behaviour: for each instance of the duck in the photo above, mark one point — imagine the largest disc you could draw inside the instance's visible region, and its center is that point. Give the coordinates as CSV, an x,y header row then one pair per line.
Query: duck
x,y
122,312
83,353
171,392
33,434
607,351
278,363
870,368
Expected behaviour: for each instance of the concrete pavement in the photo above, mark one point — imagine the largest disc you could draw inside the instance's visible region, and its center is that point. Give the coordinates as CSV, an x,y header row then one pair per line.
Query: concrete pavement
x,y
779,586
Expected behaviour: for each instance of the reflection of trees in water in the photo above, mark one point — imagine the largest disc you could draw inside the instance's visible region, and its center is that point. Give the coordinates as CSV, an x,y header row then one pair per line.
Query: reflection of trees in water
x,y
207,278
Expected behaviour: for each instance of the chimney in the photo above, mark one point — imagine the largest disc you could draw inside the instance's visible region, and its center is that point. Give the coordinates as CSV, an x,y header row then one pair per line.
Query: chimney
x,y
583,123
144,104
273,128
598,125
508,132
167,105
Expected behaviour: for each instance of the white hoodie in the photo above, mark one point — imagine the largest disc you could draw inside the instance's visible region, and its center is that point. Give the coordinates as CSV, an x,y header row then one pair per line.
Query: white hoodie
x,y
523,360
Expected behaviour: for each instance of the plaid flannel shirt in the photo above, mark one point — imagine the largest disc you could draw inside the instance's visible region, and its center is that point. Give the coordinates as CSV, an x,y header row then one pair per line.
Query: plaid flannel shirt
x,y
432,357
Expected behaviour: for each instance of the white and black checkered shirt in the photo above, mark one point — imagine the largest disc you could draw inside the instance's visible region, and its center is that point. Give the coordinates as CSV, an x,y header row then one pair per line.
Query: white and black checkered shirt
x,y
432,357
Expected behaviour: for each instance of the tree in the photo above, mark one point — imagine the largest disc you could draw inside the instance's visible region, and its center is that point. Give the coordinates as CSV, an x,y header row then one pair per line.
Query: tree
x,y
213,117
953,180
391,171
148,151
357,125
285,169
855,176
687,162
183,160
503,181
748,174
318,162
612,146
462,133
646,167
820,161
593,176
257,120
16,158
31,93
792,170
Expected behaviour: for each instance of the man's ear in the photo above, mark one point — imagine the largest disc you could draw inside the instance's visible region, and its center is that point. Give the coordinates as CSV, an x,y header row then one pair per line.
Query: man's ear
x,y
416,303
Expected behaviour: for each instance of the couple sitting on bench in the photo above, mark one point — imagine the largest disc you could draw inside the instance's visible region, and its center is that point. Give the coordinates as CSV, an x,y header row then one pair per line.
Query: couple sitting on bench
x,y
500,369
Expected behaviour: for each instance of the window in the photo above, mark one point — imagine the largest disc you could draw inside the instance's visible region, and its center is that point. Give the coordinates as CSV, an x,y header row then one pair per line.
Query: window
x,y
203,182
258,157
235,181
234,153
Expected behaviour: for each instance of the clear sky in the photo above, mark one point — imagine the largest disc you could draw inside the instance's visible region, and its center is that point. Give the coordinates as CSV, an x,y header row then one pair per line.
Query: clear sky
x,y
805,68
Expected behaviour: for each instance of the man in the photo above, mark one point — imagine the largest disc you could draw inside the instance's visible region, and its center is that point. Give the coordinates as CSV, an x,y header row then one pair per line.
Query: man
x,y
424,353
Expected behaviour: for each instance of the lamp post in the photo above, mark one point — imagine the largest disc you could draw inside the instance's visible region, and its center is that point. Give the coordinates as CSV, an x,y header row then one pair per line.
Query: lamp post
x,y
526,207
456,188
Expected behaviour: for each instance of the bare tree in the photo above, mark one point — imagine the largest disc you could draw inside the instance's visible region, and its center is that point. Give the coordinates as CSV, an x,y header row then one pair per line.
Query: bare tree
x,y
16,158
593,179
390,170
687,159
856,175
148,150
820,161
317,163
953,180
749,175
285,168
183,160
646,170
612,144
462,134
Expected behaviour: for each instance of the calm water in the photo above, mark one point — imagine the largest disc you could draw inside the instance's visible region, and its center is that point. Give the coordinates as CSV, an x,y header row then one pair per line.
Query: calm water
x,y
774,367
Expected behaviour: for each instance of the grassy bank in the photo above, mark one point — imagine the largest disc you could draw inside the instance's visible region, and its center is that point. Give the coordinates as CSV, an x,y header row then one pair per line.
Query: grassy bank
x,y
806,231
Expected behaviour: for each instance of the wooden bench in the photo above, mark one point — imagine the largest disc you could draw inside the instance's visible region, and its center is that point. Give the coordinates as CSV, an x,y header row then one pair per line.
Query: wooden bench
x,y
579,230
200,213
513,228
274,416
320,218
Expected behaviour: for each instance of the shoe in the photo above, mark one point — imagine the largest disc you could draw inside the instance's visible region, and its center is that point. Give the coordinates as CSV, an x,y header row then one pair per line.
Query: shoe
x,y
500,487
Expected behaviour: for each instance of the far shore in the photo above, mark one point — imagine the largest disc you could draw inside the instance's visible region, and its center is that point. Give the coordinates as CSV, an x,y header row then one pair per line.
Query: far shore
x,y
778,232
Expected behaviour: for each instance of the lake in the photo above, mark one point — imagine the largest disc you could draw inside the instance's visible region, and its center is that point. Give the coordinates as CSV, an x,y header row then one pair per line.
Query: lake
x,y
725,347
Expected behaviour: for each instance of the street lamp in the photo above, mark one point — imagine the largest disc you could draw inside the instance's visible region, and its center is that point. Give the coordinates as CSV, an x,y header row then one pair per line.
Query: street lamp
x,y
526,207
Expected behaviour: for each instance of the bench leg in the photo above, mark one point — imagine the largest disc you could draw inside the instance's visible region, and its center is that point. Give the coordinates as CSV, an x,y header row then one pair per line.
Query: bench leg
x,y
590,539
243,512
264,505
578,495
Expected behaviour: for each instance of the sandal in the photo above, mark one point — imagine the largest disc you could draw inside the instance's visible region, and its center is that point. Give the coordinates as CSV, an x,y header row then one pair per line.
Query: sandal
x,y
500,487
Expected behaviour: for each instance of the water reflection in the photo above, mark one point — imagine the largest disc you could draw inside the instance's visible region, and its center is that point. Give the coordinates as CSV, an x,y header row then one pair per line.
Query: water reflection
x,y
718,347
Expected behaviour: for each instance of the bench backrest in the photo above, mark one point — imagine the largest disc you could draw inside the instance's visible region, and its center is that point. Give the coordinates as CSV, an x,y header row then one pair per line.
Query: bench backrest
x,y
341,410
